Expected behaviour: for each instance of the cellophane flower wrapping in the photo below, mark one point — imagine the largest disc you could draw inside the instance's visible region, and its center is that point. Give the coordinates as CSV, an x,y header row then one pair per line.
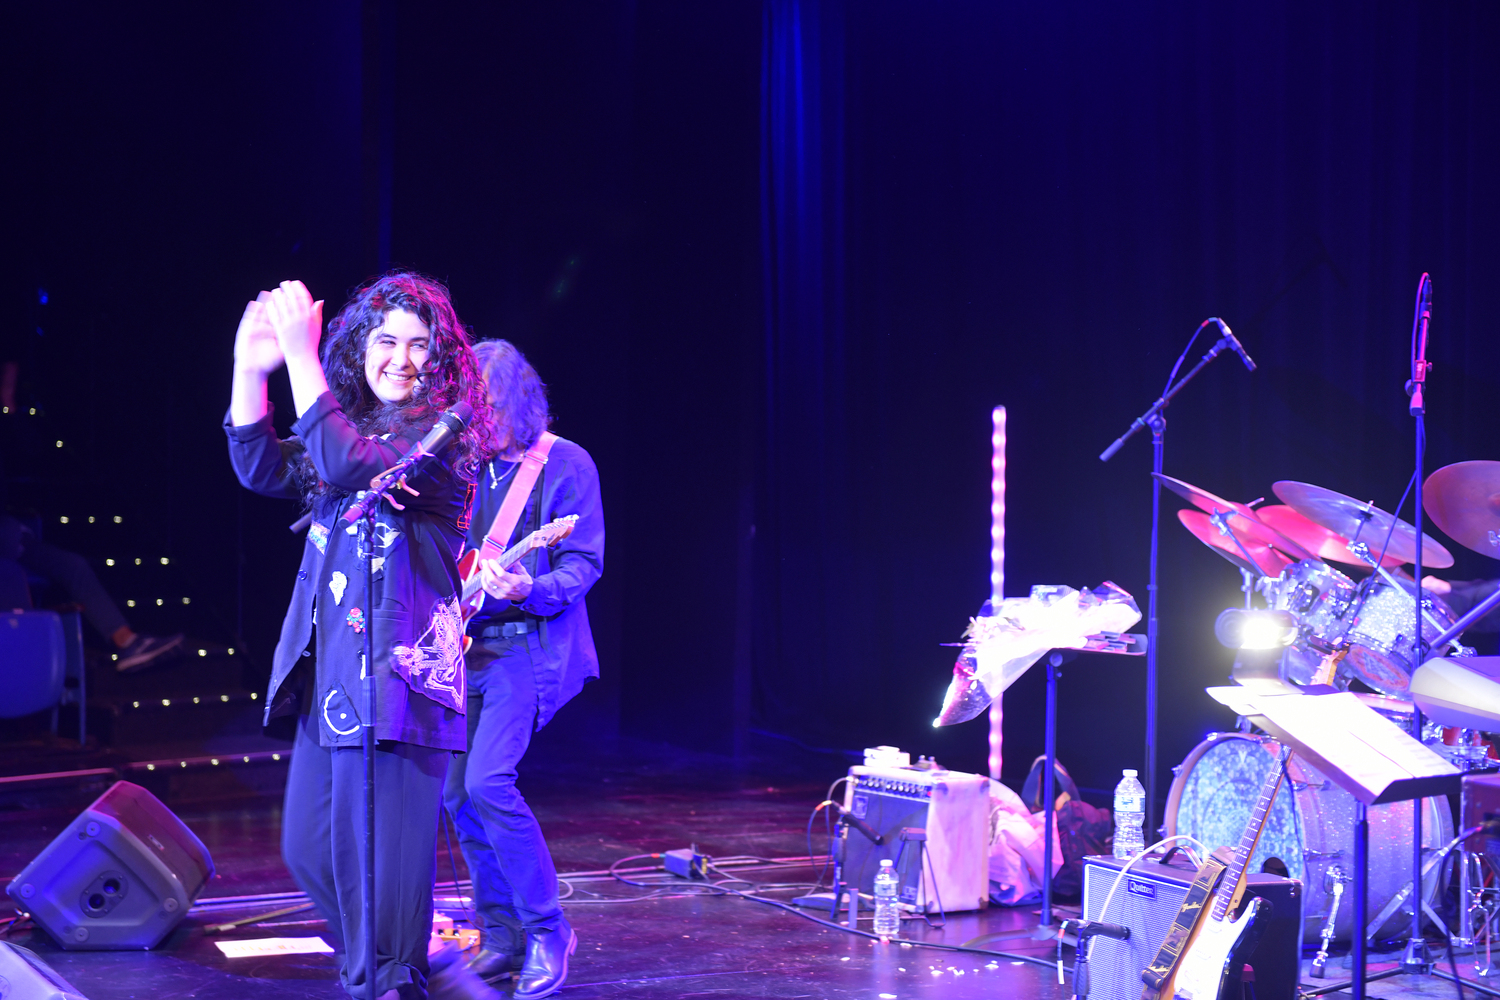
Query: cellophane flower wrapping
x,y
1000,646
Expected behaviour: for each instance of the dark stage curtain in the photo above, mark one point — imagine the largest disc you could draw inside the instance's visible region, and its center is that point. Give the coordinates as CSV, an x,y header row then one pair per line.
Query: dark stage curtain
x,y
974,203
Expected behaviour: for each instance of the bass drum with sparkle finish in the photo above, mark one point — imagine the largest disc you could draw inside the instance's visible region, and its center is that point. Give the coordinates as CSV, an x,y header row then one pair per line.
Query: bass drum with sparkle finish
x,y
1310,827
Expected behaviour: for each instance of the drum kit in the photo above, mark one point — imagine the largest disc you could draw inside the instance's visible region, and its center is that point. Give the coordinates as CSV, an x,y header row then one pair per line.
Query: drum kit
x,y
1331,569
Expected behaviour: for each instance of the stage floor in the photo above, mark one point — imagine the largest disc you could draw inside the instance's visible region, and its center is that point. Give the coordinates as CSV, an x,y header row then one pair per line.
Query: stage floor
x,y
597,808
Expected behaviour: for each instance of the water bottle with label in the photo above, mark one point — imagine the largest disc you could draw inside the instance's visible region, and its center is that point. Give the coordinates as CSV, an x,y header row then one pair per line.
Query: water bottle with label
x,y
1130,816
887,913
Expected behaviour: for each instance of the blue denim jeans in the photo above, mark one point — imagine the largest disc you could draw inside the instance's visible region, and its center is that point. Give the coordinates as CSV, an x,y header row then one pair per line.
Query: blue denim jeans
x,y
515,883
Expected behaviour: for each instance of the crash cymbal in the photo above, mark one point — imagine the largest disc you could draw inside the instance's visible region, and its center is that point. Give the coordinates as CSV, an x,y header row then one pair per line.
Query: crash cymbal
x,y
1268,562
1464,500
1242,519
1356,520
1318,540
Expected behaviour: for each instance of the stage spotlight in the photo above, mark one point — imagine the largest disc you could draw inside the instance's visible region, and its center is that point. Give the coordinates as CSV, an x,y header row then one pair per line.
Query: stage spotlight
x,y
1241,629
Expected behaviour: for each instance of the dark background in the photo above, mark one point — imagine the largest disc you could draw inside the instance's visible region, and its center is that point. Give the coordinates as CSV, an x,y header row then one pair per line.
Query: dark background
x,y
777,261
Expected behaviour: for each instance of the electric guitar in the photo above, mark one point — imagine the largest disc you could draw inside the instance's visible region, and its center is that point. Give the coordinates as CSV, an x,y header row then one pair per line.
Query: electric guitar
x,y
471,597
1217,948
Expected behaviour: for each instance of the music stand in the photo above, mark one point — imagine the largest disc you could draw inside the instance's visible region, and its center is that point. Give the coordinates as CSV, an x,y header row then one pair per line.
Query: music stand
x,y
1121,644
1363,753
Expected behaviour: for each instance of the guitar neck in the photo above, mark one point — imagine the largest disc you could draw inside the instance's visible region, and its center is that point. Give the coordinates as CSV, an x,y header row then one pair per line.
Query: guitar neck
x,y
1230,888
506,559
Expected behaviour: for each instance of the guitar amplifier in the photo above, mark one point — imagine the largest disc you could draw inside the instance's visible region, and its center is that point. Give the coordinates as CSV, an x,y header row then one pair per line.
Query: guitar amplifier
x,y
954,809
1147,902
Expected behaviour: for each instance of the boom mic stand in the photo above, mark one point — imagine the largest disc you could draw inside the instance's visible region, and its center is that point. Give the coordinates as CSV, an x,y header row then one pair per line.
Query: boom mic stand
x,y
1154,419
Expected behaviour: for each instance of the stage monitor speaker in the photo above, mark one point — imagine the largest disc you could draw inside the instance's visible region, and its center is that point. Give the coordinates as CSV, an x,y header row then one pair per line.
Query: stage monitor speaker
x,y
1147,902
24,976
953,808
121,875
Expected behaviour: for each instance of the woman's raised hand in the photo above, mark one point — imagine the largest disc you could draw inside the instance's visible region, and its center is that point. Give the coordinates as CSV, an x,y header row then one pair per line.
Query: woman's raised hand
x,y
297,320
256,351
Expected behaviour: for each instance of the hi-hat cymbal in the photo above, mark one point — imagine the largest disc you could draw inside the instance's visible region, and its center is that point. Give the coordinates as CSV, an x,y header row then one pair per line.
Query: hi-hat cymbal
x,y
1268,562
1242,519
1318,540
1464,500
1358,521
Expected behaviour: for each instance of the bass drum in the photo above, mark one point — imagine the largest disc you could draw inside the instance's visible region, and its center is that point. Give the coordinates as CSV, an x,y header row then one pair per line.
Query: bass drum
x,y
1310,827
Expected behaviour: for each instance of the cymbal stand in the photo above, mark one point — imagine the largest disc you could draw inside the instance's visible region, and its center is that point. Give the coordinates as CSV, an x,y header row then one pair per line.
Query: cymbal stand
x,y
1220,519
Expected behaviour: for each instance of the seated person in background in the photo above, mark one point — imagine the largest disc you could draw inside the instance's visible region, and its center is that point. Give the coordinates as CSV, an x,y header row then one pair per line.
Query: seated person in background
x,y
21,549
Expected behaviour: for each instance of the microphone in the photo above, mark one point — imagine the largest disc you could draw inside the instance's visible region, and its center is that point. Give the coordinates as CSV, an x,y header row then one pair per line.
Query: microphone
x,y
863,827
1419,362
1234,343
447,429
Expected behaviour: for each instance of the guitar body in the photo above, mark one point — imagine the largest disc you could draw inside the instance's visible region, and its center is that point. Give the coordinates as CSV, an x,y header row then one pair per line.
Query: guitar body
x,y
471,594
1211,963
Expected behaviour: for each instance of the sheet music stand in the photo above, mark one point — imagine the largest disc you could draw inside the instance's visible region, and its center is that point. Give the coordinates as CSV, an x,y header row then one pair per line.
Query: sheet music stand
x,y
1363,753
1121,644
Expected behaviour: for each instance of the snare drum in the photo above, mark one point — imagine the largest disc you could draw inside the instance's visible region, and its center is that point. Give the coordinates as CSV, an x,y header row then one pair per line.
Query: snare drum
x,y
1381,653
1310,827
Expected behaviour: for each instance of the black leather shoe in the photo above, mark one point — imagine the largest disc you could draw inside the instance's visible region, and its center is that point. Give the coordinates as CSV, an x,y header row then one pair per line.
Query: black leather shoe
x,y
546,963
493,966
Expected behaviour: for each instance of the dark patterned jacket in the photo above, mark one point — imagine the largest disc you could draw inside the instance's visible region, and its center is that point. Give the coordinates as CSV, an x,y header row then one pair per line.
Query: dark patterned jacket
x,y
417,631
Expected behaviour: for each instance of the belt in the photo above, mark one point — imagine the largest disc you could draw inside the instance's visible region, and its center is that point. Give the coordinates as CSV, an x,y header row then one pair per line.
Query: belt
x,y
508,630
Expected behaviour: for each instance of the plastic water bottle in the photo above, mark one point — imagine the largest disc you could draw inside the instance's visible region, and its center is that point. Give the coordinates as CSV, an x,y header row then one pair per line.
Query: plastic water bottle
x,y
887,913
1130,816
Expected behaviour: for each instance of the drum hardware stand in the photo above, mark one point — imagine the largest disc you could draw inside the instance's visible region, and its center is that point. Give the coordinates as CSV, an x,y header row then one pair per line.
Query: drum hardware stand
x,y
1336,878
1157,423
1220,520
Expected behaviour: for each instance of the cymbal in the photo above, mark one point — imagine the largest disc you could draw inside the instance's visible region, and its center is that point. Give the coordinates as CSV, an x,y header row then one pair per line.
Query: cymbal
x,y
1268,562
1318,540
1355,520
1242,519
1464,500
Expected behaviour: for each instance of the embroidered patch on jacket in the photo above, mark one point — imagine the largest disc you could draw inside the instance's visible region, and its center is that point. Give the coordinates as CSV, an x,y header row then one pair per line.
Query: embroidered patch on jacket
x,y
338,714
434,665
318,535
386,536
336,584
356,620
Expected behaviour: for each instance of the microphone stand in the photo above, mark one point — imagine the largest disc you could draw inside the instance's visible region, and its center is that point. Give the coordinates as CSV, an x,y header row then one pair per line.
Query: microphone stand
x,y
367,534
1154,419
1415,959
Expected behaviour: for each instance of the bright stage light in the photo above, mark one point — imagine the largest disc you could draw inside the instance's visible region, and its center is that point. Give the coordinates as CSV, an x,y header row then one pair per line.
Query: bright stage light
x,y
1241,629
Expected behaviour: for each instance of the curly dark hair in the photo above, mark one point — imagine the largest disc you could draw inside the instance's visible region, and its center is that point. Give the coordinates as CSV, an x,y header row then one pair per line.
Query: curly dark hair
x,y
518,396
450,374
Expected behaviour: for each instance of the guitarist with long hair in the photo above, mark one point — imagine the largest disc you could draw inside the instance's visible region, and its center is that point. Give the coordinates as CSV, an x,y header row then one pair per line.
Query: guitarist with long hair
x,y
531,652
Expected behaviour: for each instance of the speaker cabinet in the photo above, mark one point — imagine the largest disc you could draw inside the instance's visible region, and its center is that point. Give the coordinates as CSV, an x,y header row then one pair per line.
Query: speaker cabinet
x,y
1147,902
121,875
24,976
954,809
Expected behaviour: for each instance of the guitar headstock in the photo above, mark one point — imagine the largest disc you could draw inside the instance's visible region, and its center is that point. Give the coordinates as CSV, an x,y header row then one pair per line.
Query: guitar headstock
x,y
553,532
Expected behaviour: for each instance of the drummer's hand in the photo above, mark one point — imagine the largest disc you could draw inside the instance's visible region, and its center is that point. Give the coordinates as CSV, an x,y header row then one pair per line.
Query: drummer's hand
x,y
1437,586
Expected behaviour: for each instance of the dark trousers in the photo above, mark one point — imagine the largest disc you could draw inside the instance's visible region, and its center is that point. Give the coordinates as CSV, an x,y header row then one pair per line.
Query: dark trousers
x,y
322,843
515,883
73,573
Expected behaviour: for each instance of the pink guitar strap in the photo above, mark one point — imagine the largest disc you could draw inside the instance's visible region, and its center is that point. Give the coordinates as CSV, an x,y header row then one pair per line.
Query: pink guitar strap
x,y
496,539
